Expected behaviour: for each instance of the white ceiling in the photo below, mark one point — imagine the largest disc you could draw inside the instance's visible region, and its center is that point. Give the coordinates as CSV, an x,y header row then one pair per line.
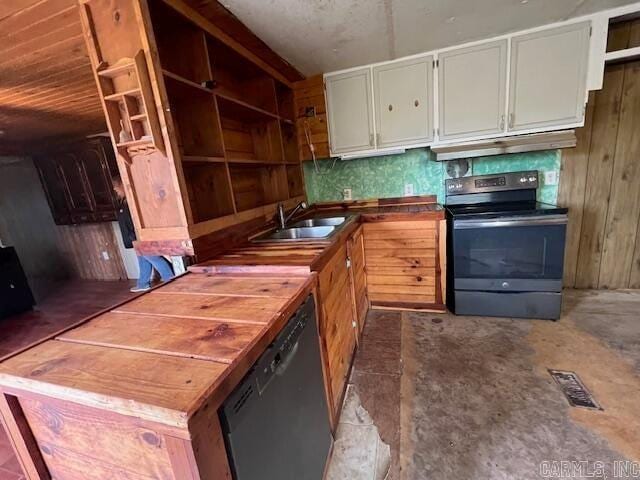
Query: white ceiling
x,y
318,36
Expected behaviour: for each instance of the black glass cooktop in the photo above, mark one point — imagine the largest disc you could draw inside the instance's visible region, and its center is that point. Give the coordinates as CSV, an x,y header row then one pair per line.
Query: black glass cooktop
x,y
508,208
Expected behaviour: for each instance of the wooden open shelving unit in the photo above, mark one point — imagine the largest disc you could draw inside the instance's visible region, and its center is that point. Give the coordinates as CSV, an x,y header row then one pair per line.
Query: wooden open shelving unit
x,y
233,122
126,90
209,136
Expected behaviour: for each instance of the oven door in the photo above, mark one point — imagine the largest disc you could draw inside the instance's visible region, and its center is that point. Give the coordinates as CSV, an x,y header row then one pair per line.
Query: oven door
x,y
511,253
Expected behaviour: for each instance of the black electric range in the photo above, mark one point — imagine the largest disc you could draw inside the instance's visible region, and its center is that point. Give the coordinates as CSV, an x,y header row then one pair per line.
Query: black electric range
x,y
505,249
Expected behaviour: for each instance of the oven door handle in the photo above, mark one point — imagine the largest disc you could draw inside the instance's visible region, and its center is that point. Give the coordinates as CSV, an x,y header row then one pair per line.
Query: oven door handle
x,y
511,222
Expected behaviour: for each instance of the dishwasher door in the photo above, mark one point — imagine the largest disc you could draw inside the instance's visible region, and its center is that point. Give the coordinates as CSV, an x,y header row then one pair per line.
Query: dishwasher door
x,y
276,422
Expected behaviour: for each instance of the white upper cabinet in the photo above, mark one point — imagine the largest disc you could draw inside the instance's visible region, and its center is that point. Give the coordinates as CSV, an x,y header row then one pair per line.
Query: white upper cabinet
x,y
403,93
548,77
472,85
349,105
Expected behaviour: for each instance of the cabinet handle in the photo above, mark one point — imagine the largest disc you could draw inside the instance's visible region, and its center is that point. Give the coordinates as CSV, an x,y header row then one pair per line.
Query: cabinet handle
x,y
502,122
511,119
390,107
416,103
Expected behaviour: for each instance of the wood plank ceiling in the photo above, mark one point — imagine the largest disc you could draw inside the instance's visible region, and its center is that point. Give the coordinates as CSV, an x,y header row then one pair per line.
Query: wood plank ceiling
x,y
47,88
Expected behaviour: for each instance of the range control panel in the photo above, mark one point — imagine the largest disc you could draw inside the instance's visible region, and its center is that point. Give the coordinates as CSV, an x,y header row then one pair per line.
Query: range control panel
x,y
492,183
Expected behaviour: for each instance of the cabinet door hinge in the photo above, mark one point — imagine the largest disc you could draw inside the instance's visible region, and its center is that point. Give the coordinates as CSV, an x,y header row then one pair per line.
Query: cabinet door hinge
x,y
348,262
436,63
354,324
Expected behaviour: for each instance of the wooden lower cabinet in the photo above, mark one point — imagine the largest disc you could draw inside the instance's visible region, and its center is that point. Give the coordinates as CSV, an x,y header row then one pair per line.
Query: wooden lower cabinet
x,y
403,263
337,325
358,277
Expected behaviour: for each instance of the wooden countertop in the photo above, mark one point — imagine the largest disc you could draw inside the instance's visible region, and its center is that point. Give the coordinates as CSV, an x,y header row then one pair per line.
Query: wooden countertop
x,y
163,354
307,256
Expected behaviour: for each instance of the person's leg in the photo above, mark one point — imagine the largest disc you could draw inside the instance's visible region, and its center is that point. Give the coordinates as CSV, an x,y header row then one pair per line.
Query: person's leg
x,y
144,280
162,266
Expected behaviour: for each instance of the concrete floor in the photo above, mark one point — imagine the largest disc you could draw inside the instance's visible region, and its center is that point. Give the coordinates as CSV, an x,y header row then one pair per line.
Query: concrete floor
x,y
471,398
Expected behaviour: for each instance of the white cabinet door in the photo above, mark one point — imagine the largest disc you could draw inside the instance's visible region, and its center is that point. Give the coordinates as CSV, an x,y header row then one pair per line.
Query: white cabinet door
x,y
548,77
472,86
403,93
349,108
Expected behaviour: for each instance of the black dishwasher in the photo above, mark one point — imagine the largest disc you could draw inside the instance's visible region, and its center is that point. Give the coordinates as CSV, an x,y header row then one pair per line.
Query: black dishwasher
x,y
276,422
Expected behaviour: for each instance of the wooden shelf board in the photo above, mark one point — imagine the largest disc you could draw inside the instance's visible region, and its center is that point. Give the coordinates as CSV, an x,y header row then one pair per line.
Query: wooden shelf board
x,y
202,159
135,143
185,81
252,161
138,117
116,97
236,104
117,69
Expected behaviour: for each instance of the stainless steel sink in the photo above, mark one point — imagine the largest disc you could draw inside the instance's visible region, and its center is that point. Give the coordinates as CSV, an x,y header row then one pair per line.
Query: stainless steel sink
x,y
296,234
320,222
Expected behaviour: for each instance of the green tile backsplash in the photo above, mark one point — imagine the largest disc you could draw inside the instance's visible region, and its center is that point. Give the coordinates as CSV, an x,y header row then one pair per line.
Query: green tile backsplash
x,y
380,177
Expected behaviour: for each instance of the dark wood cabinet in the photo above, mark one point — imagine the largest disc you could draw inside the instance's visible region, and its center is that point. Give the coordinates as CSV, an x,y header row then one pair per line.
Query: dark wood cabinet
x,y
77,182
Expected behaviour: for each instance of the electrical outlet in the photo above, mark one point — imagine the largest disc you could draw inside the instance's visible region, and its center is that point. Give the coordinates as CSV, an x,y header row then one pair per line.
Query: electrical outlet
x,y
105,255
551,177
408,189
346,194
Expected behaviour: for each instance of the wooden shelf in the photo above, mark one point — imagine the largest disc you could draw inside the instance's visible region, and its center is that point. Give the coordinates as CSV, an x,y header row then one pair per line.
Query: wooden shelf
x,y
202,159
186,81
118,96
118,69
257,185
138,117
251,161
196,119
209,190
242,110
135,143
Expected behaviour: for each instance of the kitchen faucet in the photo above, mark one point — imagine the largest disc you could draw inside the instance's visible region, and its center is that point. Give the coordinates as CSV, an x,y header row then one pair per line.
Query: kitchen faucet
x,y
282,220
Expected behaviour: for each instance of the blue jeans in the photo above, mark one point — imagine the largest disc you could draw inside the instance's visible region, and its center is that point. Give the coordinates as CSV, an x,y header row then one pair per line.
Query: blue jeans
x,y
147,264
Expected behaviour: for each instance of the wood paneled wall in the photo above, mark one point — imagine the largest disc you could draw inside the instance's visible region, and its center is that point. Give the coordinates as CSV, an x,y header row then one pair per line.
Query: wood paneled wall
x,y
83,247
309,93
600,183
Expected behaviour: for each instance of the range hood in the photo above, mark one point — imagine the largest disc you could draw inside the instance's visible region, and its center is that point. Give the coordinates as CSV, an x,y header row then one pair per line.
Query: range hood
x,y
499,146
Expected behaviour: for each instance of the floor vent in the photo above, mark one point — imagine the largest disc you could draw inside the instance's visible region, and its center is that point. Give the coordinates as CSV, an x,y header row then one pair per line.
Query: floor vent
x,y
575,391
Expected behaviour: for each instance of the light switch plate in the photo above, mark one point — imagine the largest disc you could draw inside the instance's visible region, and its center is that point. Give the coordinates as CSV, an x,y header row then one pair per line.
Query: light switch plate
x,y
551,177
408,189
346,194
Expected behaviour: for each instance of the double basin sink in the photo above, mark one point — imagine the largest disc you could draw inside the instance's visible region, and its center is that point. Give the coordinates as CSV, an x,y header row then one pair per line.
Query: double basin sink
x,y
309,229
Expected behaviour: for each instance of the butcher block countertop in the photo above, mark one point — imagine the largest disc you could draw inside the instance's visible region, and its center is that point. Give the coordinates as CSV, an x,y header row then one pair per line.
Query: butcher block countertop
x,y
299,257
163,354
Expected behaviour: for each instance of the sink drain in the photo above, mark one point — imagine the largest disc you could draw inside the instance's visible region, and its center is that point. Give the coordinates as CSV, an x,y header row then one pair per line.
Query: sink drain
x,y
572,387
